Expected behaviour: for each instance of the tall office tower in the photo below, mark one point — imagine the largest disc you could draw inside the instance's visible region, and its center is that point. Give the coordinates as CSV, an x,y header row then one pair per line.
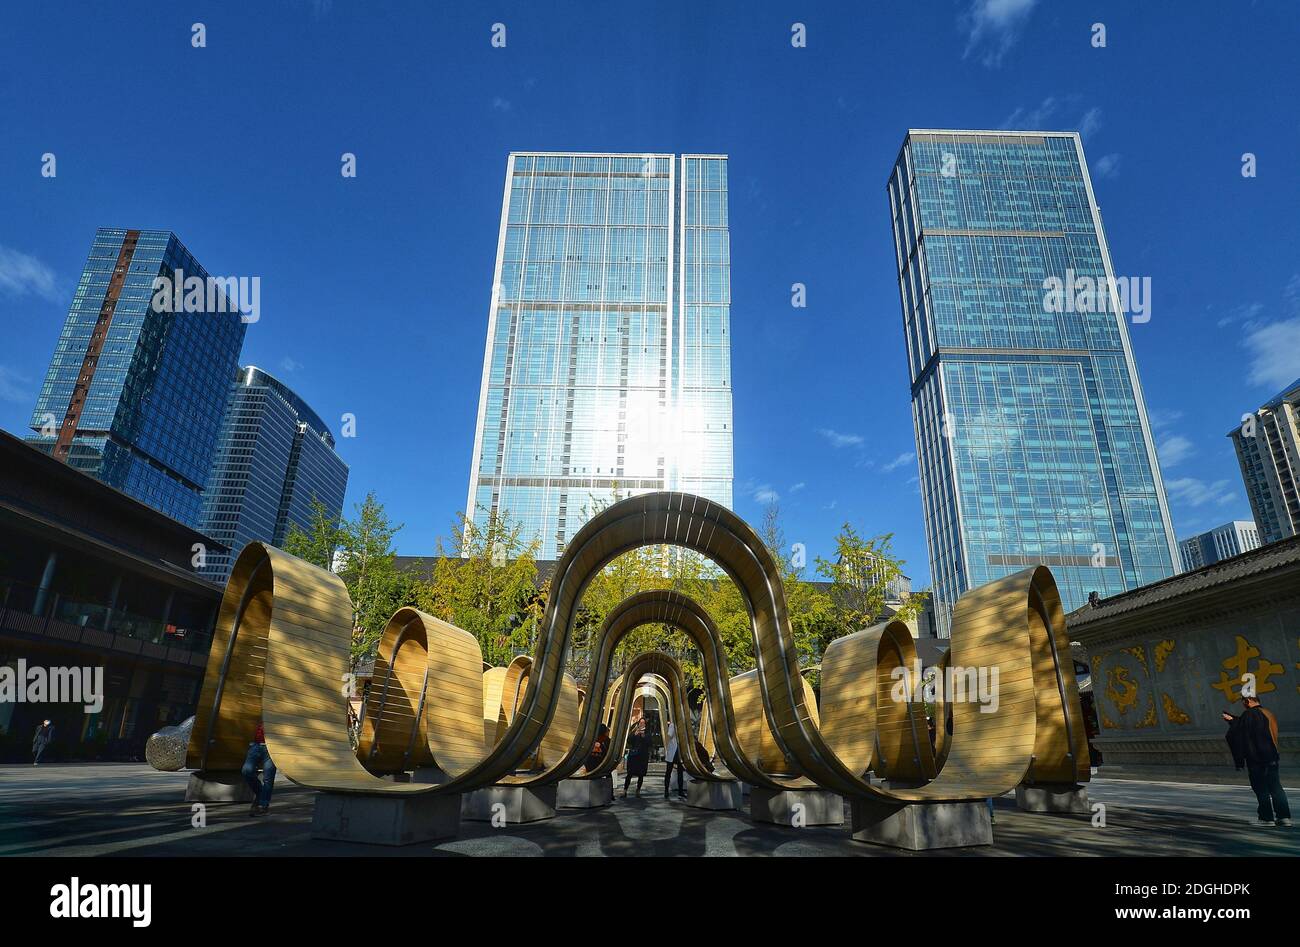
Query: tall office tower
x,y
134,395
1222,542
275,456
608,358
1268,450
1031,430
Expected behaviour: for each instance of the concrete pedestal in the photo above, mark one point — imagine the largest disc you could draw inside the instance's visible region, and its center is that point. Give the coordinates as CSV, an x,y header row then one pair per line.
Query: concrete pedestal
x,y
797,807
584,793
509,804
385,820
714,794
217,787
1051,797
922,826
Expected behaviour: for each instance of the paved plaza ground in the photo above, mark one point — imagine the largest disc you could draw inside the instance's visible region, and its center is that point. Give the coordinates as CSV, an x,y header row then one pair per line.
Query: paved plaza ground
x,y
129,809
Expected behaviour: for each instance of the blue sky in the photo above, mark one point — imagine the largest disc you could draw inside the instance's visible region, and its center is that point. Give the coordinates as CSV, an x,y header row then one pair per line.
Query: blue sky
x,y
375,290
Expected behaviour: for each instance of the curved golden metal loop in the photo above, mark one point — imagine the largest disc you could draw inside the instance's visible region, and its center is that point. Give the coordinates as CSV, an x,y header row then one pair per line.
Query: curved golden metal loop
x,y
870,717
671,687
282,641
394,733
663,606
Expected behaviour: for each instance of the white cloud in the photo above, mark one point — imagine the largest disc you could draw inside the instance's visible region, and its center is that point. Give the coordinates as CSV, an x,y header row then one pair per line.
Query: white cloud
x,y
1274,353
838,440
1292,294
1174,449
501,105
1162,418
1196,492
1090,123
992,27
288,364
798,486
765,494
23,275
1108,166
899,461
13,386
1023,119
1246,313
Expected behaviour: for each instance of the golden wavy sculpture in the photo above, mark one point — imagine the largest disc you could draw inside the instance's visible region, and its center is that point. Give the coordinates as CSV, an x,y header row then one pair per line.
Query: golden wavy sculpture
x,y
280,655
394,733
661,673
287,661
667,607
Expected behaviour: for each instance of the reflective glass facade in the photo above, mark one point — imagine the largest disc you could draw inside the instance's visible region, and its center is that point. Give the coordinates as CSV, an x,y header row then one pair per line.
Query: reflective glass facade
x,y
1268,451
274,457
138,395
608,353
1031,430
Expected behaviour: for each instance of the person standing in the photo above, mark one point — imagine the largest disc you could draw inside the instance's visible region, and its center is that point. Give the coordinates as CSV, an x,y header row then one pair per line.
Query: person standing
x,y
42,740
598,749
638,755
1252,738
672,757
259,757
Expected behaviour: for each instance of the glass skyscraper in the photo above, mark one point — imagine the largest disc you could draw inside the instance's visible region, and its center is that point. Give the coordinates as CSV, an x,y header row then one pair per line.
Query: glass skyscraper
x,y
135,396
608,358
274,457
1031,430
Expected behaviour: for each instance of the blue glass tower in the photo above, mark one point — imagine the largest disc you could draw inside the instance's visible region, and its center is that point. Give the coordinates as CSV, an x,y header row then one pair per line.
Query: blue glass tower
x,y
135,396
1031,430
607,363
275,456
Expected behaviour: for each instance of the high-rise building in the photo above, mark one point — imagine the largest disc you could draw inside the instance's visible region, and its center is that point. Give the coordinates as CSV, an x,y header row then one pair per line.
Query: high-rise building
x,y
1031,430
1215,545
1268,449
275,456
608,357
135,392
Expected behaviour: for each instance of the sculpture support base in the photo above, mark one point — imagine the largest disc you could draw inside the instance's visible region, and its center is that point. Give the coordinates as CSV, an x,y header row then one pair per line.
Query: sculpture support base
x,y
385,820
714,794
797,807
584,793
217,787
1053,797
509,805
921,826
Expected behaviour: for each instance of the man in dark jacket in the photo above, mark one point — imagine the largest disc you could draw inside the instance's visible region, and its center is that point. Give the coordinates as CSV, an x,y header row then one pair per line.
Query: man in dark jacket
x,y
1252,738
43,738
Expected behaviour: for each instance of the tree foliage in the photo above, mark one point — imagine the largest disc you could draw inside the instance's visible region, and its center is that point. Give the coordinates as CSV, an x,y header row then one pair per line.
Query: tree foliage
x,y
362,550
861,575
485,581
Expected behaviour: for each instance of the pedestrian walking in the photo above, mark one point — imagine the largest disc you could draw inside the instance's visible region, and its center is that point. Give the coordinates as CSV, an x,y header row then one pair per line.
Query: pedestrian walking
x,y
638,755
41,741
1252,737
672,758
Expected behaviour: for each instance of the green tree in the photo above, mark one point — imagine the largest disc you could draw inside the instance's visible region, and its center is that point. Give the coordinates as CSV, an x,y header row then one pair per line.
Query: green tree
x,y
812,613
367,564
861,575
319,541
485,581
